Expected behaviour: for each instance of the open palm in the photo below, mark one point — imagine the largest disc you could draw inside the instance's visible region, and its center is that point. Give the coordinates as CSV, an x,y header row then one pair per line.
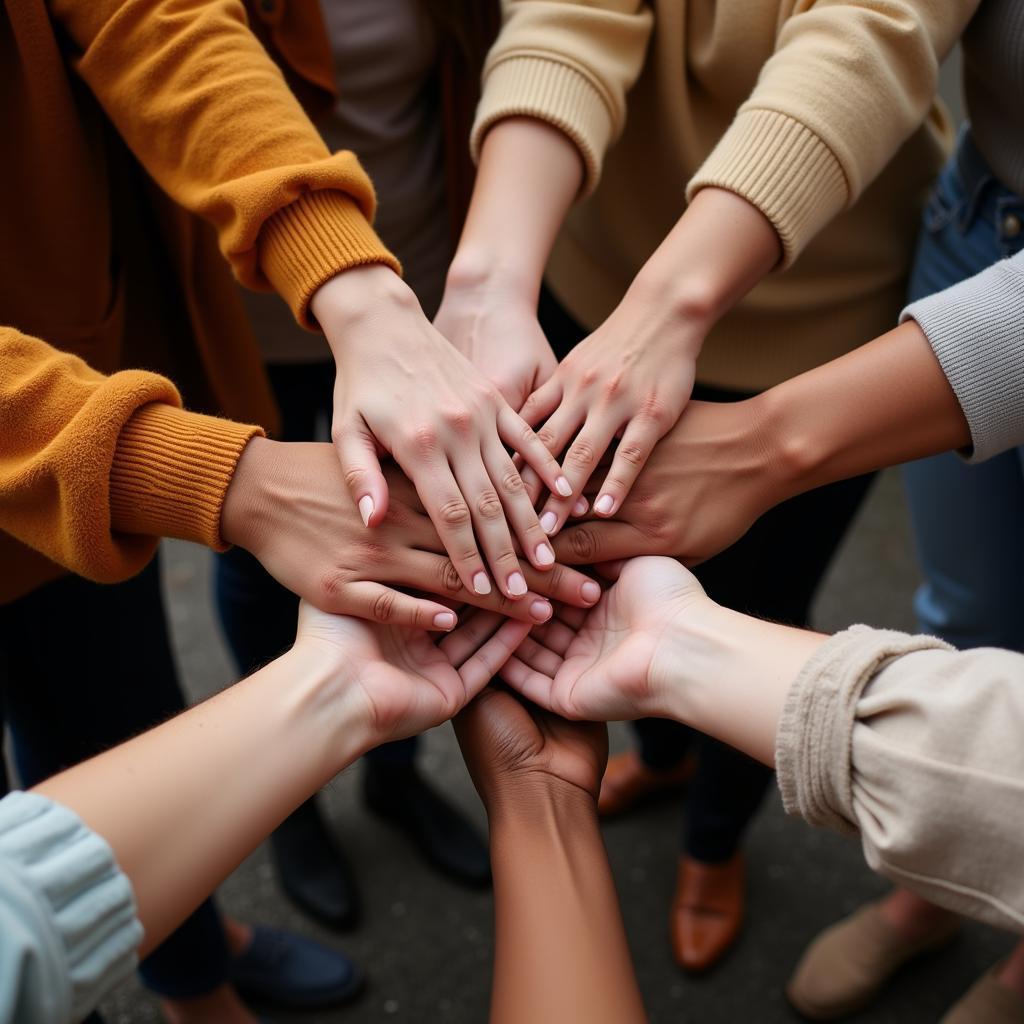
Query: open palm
x,y
403,682
601,665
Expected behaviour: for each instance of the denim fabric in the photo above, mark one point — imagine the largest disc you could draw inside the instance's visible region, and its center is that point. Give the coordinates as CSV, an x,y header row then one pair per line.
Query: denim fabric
x,y
968,518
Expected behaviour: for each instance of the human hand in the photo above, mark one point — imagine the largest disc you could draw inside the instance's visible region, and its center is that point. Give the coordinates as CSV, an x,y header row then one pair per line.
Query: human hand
x,y
402,388
288,506
617,661
497,331
509,745
394,681
707,482
630,379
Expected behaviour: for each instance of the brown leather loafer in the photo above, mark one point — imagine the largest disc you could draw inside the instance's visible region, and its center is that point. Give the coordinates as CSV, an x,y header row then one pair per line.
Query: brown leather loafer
x,y
628,783
707,911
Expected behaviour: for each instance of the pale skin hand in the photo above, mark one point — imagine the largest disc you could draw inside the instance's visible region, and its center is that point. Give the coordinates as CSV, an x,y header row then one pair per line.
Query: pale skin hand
x,y
245,759
657,646
560,948
633,376
287,505
401,388
528,176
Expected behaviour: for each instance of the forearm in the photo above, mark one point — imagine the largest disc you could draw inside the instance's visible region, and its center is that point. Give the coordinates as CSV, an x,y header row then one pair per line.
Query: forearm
x,y
560,948
528,176
183,804
885,403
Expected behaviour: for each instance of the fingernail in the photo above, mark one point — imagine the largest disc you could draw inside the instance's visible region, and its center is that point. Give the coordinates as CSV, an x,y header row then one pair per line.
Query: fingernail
x,y
481,584
540,610
545,556
590,592
563,487
548,522
580,508
445,620
516,584
366,508
604,504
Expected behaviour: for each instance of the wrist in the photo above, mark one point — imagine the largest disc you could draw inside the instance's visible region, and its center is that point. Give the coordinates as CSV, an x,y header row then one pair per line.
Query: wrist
x,y
243,513
351,297
796,450
477,273
532,801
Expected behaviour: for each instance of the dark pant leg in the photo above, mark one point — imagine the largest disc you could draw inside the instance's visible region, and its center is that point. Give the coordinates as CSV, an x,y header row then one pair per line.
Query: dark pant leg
x,y
772,572
90,666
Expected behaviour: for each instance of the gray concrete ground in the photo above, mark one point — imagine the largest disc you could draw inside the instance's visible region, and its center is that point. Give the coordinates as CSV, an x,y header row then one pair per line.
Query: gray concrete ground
x,y
426,944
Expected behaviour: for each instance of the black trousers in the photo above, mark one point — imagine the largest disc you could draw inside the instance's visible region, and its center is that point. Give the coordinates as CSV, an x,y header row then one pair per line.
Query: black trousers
x,y
772,572
84,667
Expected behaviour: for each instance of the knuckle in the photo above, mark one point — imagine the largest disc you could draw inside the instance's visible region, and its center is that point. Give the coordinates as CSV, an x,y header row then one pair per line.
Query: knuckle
x,y
589,377
654,409
448,576
488,505
458,419
384,606
374,553
454,512
512,482
332,583
612,386
424,438
634,454
582,453
547,437
354,477
583,543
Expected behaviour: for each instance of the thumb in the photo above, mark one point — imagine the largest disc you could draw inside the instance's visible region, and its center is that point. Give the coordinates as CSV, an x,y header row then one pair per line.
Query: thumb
x,y
357,451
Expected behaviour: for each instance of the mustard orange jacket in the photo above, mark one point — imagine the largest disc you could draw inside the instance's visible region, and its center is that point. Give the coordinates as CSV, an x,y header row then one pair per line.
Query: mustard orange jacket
x,y
126,121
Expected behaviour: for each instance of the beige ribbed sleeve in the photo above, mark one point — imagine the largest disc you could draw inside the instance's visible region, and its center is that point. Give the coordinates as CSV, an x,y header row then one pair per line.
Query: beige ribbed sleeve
x,y
976,329
846,86
917,748
569,63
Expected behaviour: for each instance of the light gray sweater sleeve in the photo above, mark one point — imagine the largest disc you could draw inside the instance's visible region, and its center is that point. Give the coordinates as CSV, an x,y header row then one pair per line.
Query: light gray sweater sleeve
x,y
68,930
917,748
976,329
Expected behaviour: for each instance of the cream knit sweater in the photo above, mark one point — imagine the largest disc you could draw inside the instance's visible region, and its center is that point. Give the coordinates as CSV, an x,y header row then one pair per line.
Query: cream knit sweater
x,y
822,114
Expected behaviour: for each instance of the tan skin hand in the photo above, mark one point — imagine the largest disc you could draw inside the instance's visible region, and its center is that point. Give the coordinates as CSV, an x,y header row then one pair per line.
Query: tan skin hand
x,y
288,506
401,388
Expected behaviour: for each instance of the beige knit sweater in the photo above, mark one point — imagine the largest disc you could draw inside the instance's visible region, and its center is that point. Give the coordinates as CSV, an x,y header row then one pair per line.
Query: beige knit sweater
x,y
822,114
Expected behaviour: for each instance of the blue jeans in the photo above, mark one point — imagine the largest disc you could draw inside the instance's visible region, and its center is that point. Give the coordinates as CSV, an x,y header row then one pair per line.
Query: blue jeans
x,y
968,519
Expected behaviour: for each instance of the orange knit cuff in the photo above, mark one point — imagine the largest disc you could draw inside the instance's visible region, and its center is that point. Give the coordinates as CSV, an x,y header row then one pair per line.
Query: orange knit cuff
x,y
170,473
309,241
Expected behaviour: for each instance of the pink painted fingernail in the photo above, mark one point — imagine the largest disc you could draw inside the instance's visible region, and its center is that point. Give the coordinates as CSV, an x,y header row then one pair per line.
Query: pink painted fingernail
x,y
366,508
548,522
563,487
590,592
540,610
580,508
516,584
545,556
481,584
444,620
604,505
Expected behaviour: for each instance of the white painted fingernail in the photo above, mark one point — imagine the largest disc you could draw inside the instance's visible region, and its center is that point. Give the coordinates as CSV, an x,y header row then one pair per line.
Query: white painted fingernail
x,y
444,620
540,610
481,584
563,487
590,591
580,508
366,508
516,584
604,505
548,522
545,556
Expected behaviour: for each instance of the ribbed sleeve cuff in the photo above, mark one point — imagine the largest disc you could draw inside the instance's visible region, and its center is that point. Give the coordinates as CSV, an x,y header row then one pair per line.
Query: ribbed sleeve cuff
x,y
67,877
171,471
550,91
815,736
309,241
976,329
784,169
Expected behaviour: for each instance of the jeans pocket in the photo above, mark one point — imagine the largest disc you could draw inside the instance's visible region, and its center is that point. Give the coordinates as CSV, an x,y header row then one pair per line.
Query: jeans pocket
x,y
944,203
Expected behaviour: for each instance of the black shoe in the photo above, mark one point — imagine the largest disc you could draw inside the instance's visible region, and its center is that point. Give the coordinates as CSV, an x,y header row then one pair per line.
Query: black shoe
x,y
312,869
294,973
445,839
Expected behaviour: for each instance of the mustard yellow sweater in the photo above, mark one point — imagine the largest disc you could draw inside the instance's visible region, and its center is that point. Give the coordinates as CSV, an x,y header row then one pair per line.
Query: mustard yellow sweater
x,y
821,113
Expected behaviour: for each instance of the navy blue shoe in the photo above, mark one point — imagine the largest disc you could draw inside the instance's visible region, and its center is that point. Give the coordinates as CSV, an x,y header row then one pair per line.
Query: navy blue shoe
x,y
290,972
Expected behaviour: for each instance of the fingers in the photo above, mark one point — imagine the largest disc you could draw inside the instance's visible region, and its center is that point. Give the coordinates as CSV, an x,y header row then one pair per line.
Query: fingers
x,y
538,657
528,682
519,436
357,451
518,507
378,603
581,460
594,542
555,635
483,665
490,526
543,402
475,628
635,448
567,586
